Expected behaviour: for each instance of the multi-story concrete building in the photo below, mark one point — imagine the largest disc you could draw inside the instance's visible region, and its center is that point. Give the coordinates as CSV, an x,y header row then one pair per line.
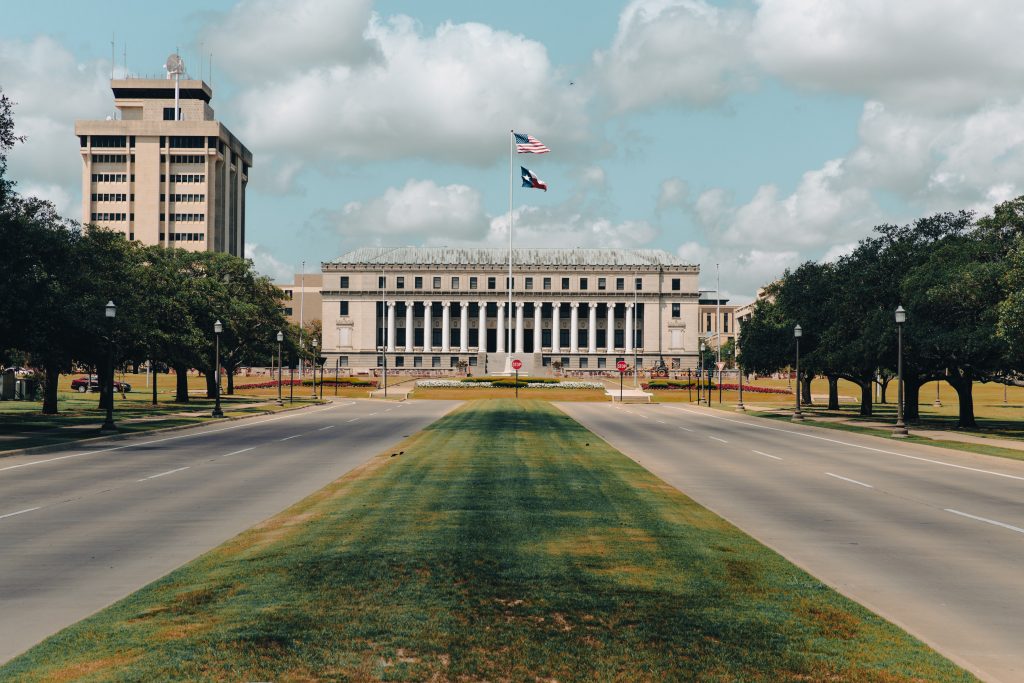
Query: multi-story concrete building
x,y
585,309
303,298
162,174
720,310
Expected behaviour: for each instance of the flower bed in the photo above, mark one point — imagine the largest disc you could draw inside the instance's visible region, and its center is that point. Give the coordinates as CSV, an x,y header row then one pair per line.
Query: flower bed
x,y
504,383
757,390
675,385
327,382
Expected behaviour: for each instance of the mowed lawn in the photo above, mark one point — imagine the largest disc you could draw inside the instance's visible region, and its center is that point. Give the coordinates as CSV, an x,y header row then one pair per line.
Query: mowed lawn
x,y
504,542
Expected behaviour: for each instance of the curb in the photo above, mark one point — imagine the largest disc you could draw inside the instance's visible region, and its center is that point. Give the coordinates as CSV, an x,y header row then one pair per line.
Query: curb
x,y
93,440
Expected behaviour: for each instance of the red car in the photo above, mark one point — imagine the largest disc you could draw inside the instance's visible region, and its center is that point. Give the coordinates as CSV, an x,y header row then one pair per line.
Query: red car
x,y
90,383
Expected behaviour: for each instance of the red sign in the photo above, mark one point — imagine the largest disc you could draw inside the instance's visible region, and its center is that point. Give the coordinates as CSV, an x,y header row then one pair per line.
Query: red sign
x,y
621,366
517,364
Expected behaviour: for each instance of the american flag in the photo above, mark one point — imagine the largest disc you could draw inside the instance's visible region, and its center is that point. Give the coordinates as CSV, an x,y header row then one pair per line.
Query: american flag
x,y
527,144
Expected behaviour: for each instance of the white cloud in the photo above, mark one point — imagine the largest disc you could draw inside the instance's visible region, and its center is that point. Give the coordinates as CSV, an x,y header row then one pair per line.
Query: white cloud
x,y
675,51
420,210
268,264
55,194
568,226
673,192
447,96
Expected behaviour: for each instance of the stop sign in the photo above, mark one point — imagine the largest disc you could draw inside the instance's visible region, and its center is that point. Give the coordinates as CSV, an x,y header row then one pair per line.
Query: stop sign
x,y
516,364
621,366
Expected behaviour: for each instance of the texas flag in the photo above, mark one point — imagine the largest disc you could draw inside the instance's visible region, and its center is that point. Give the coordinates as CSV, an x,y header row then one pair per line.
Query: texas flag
x,y
530,179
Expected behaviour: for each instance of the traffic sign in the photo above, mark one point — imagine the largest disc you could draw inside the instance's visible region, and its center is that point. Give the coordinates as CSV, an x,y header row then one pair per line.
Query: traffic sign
x,y
516,364
720,364
621,366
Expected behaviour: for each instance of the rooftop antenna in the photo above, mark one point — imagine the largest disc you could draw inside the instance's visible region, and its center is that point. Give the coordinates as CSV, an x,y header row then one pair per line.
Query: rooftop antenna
x,y
124,59
175,66
113,59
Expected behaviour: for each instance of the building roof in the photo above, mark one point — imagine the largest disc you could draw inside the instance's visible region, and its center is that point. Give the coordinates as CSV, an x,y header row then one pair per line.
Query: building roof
x,y
471,256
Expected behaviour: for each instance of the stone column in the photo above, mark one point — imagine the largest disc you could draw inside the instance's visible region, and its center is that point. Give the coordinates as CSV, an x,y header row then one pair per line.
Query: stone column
x,y
410,326
481,337
428,326
391,327
574,327
629,328
536,327
610,332
592,332
446,326
519,326
556,327
464,327
501,327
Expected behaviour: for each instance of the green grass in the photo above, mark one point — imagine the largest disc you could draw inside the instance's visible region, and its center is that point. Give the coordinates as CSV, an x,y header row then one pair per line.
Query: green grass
x,y
504,542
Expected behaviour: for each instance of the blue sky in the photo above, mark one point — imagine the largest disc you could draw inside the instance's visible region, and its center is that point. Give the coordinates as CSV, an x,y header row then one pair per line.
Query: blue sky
x,y
751,134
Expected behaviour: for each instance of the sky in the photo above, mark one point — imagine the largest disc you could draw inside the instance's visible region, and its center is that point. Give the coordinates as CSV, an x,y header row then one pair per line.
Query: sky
x,y
754,135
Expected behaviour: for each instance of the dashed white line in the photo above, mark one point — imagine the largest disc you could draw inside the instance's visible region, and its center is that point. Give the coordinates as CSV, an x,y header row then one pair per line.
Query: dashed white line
x,y
353,419
293,436
237,452
685,429
163,474
643,416
717,439
852,481
661,422
19,512
325,428
986,520
768,455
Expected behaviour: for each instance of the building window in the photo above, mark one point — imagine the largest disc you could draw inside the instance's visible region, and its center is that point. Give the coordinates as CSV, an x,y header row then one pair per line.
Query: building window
x,y
435,361
399,361
437,282
418,282
417,361
675,310
188,141
602,283
287,310
708,328
381,281
399,282
472,361
620,284
343,361
472,283
529,283
676,284
109,141
342,308
492,282
565,283
344,282
455,282
639,283
547,283
584,363
583,283
510,284
602,363
169,114
725,323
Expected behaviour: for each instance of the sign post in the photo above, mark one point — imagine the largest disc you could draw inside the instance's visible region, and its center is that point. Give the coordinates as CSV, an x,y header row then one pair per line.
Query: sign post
x,y
720,365
689,387
516,364
621,367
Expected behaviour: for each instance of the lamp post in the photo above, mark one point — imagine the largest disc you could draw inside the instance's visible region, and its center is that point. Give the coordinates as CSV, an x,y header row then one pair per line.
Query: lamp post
x,y
280,338
700,372
316,346
797,333
217,329
740,408
900,430
108,424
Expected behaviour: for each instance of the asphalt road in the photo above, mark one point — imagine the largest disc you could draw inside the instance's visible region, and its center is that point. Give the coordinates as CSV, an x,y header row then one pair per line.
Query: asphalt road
x,y
82,529
929,538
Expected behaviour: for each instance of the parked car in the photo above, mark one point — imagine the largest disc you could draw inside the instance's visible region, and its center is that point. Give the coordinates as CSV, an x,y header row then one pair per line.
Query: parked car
x,y
91,383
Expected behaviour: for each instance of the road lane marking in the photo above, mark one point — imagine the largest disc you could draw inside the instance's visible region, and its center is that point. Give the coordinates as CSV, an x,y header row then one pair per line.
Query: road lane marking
x,y
643,416
852,481
324,428
855,445
768,455
353,419
717,439
237,452
685,429
661,422
293,436
19,512
986,520
163,474
169,438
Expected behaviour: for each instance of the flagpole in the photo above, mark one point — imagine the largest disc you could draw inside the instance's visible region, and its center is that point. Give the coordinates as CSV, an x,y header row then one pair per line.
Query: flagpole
x,y
511,182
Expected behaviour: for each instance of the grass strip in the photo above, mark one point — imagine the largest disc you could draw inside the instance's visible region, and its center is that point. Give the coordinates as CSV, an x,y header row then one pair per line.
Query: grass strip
x,y
504,542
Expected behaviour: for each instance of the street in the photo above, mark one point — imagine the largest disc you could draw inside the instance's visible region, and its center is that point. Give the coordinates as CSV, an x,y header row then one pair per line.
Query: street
x,y
81,529
929,538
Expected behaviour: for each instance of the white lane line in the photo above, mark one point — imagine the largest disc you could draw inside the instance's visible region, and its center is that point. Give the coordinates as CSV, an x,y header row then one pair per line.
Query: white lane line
x,y
854,445
163,474
325,428
388,410
19,512
768,455
169,438
293,436
661,422
353,419
237,452
372,414
685,429
643,416
852,481
717,439
987,521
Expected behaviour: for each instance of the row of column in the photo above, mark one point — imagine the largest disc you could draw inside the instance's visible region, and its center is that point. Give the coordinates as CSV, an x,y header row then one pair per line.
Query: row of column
x,y
519,329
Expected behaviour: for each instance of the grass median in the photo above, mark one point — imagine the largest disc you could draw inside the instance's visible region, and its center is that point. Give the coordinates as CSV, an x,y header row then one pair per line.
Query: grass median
x,y
504,542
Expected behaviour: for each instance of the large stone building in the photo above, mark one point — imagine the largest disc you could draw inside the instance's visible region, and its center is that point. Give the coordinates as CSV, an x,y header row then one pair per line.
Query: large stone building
x,y
585,309
161,176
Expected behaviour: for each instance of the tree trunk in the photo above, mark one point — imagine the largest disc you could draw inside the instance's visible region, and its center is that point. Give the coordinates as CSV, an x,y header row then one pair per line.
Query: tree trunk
x,y
833,392
181,384
805,385
964,385
912,398
883,385
153,375
211,384
51,376
230,372
103,382
866,387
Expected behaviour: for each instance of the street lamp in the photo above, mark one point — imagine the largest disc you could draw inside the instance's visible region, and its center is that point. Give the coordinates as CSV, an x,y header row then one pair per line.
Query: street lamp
x,y
900,430
108,424
316,345
740,408
700,372
797,333
280,338
217,329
